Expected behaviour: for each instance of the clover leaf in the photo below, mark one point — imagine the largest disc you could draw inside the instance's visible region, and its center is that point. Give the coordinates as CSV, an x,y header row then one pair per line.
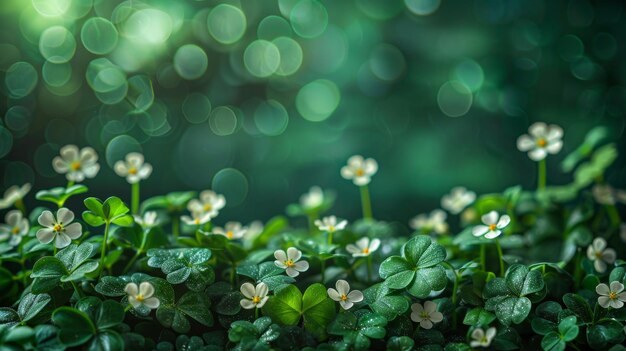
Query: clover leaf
x,y
189,266
508,296
600,336
173,202
478,316
546,317
315,307
556,340
70,264
114,287
59,195
400,343
253,336
418,269
579,306
113,210
379,299
30,306
192,304
267,273
92,322
358,328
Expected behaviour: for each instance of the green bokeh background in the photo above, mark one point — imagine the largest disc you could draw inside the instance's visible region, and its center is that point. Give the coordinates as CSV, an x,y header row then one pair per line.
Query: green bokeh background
x,y
262,99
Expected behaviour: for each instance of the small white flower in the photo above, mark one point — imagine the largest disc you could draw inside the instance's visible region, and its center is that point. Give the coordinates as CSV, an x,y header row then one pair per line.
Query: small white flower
x,y
133,168
600,254
482,338
255,297
458,199
255,228
148,220
142,295
363,247
196,218
209,202
343,295
427,315
60,229
289,261
14,228
435,222
611,297
543,140
13,194
313,199
231,230
359,170
605,194
329,224
493,225
76,164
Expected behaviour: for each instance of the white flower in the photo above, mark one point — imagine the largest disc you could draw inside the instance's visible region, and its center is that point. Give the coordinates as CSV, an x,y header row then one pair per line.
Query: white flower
x,y
427,315
611,297
343,294
142,295
329,224
363,247
13,194
493,225
605,194
209,202
231,230
197,218
289,261
255,229
76,164
482,339
543,140
435,222
313,199
458,199
148,220
359,170
133,168
255,297
600,255
58,229
14,228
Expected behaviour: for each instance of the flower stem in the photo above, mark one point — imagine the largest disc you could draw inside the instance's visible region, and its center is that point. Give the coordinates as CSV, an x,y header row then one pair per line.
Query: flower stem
x,y
256,313
323,267
577,268
233,273
499,248
78,291
54,249
330,237
135,198
19,204
541,177
483,258
366,203
175,227
103,249
369,268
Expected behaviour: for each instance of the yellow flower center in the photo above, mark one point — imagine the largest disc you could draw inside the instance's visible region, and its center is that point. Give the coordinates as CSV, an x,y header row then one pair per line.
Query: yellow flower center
x,y
598,255
139,297
289,263
493,227
58,227
207,207
366,250
230,234
132,170
425,315
196,221
612,295
15,230
359,172
344,297
75,166
256,299
331,228
541,142
484,340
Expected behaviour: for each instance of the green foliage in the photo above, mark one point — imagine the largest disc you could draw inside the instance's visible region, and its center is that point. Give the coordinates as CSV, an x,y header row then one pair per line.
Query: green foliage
x,y
70,264
253,336
358,328
566,332
267,273
113,210
60,195
189,266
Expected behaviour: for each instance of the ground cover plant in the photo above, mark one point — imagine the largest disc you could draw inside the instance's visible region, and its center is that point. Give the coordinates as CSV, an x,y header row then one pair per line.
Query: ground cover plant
x,y
521,269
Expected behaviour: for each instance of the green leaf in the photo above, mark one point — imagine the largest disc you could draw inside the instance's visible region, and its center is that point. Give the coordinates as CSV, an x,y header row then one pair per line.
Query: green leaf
x,y
104,314
31,305
47,273
568,328
604,334
107,340
522,282
358,328
579,306
421,251
285,307
188,265
552,342
8,317
60,195
197,306
378,298
400,343
75,326
427,280
478,316
318,310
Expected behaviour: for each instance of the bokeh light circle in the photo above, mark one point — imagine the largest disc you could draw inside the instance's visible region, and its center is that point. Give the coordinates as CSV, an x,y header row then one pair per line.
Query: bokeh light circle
x,y
149,26
190,62
196,108
470,73
20,79
309,18
317,100
52,8
422,7
223,121
56,74
17,118
110,85
387,62
261,58
99,36
272,27
271,118
119,147
57,44
232,184
454,99
6,141
226,23
290,55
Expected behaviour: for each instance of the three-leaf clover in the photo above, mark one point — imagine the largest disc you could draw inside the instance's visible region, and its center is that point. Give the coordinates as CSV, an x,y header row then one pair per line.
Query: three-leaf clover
x,y
507,296
379,299
189,266
358,328
557,339
253,336
70,264
30,307
111,211
288,305
418,269
192,304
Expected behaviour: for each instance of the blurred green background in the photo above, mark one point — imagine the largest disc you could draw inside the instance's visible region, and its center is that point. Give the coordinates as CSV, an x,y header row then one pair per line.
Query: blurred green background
x,y
260,100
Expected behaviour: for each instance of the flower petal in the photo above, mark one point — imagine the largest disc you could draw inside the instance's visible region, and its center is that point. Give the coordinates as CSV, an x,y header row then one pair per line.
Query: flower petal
x,y
301,266
538,129
69,153
374,245
436,317
617,287
333,294
46,219
135,159
525,143
602,289
599,244
480,230
355,296
538,154
426,324
346,305
492,234
146,289
262,302
604,301
355,161
247,290
45,235
151,302
280,255
600,266
554,132
120,168
247,304
554,147
609,255
131,289
478,334
370,166
294,254
490,218
503,222
292,272
59,165
417,307
430,307
62,240
342,287
74,230
347,173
